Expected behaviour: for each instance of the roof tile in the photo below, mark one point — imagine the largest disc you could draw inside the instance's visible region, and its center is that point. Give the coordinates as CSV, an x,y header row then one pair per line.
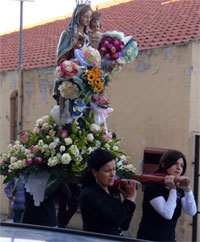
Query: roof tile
x,y
152,23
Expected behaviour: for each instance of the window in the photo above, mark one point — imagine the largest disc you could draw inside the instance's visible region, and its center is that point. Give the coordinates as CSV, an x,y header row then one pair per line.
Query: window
x,y
151,159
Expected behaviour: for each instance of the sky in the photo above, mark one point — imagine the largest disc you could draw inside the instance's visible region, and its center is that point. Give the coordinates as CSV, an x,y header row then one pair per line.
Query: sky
x,y
34,11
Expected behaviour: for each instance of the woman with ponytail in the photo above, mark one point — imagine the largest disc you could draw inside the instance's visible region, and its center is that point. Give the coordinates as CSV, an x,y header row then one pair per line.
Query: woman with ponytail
x,y
101,208
162,204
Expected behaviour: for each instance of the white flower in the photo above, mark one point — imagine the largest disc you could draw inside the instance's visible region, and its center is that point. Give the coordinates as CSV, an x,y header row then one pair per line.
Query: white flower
x,y
107,146
57,141
119,163
65,159
40,142
13,159
98,144
90,137
69,68
90,149
45,126
45,119
52,162
68,141
74,150
68,90
52,146
94,127
39,122
115,147
62,148
36,130
123,158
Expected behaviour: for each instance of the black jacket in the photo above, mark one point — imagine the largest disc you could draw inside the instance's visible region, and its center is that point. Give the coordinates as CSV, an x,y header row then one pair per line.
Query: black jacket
x,y
104,213
45,214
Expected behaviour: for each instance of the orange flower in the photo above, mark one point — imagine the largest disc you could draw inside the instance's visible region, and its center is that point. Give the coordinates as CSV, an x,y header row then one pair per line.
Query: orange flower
x,y
98,85
98,72
91,75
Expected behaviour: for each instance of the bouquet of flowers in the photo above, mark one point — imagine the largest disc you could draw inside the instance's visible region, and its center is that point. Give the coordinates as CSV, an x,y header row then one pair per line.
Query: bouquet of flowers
x,y
130,51
58,149
101,101
95,79
68,69
111,45
114,66
116,50
88,56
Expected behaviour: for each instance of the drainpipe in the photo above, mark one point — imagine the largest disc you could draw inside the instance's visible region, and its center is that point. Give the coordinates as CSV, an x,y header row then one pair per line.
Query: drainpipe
x,y
21,68
196,186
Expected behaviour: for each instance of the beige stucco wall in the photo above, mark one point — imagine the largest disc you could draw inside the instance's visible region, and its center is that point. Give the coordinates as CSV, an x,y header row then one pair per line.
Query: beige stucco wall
x,y
155,101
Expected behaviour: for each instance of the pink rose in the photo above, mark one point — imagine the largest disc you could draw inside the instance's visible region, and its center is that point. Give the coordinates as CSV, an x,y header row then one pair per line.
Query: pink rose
x,y
25,137
38,160
28,161
33,149
64,134
126,162
107,137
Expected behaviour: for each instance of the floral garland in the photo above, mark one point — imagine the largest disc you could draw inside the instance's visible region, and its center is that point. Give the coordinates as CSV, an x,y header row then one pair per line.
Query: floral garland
x,y
58,149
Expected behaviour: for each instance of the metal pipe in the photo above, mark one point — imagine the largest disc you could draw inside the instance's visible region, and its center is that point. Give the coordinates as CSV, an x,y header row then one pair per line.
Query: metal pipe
x,y
21,67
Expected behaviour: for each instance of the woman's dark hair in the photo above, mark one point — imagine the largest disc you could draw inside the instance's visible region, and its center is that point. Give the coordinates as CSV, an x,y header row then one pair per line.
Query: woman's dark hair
x,y
97,159
168,159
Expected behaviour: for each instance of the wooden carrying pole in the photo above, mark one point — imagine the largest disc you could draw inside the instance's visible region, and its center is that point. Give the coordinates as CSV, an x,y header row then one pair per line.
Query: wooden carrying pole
x,y
144,178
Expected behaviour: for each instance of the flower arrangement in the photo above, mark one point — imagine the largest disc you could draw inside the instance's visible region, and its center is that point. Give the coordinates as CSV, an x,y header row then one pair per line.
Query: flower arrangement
x,y
68,69
68,90
88,56
58,149
95,79
110,47
101,101
130,52
114,66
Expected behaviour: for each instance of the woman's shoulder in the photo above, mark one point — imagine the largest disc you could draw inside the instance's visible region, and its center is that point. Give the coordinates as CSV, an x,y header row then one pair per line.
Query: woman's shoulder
x,y
88,189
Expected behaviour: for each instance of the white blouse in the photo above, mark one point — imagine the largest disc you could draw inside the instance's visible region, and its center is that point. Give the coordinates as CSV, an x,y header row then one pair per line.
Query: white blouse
x,y
166,208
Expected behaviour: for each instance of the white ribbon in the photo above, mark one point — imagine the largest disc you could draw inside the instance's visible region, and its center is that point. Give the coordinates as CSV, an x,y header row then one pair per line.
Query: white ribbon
x,y
35,185
66,116
100,114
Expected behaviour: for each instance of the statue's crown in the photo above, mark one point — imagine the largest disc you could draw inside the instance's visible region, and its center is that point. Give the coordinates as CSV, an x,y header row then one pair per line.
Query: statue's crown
x,y
83,2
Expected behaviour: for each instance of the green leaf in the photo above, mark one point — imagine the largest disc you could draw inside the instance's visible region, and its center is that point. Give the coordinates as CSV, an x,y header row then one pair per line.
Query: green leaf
x,y
53,183
8,178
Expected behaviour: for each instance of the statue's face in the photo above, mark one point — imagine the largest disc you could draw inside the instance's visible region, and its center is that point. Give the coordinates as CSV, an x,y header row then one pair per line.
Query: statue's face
x,y
85,18
95,26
